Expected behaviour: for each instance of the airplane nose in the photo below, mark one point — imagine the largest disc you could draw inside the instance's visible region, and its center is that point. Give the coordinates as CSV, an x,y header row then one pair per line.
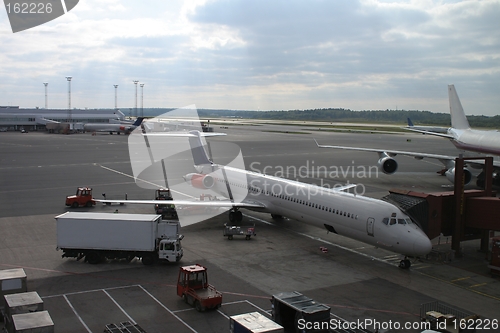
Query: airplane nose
x,y
422,245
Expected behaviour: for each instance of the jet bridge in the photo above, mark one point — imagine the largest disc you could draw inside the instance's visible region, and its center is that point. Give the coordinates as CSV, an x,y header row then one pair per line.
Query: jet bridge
x,y
462,214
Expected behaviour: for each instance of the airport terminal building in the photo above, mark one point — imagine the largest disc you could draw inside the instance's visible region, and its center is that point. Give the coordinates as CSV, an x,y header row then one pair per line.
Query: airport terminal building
x,y
13,118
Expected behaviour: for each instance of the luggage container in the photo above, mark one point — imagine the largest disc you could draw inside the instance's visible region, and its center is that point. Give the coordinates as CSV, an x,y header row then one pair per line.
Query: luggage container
x,y
11,281
21,303
253,322
293,310
33,322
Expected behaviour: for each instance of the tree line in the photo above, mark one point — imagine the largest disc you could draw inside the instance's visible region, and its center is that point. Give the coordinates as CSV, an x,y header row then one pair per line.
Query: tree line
x,y
344,115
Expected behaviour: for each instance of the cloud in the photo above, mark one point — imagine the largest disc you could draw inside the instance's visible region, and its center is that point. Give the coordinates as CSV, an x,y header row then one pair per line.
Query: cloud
x,y
238,54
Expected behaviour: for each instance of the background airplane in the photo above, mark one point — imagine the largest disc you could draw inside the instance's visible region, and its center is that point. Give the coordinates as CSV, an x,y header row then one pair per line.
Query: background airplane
x,y
118,128
460,134
372,221
425,129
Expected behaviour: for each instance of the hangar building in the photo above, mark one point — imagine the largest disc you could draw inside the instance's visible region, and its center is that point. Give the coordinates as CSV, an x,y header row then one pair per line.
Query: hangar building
x,y
13,118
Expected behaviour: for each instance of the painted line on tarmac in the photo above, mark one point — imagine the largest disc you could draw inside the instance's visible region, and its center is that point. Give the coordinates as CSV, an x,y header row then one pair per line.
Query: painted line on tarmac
x,y
322,240
169,311
119,307
142,180
76,314
459,286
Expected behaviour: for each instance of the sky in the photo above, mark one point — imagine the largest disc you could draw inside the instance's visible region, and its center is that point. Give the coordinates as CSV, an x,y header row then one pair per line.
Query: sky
x,y
259,55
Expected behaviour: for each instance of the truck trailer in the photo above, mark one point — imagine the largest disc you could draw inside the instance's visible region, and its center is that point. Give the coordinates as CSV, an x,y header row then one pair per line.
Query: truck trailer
x,y
100,236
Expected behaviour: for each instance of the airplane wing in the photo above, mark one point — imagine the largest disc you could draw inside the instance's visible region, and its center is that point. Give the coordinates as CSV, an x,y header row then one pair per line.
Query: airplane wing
x,y
207,203
443,135
392,153
183,134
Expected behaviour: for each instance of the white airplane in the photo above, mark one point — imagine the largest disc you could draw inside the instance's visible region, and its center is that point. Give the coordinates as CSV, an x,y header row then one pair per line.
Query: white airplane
x,y
371,221
118,128
460,134
425,129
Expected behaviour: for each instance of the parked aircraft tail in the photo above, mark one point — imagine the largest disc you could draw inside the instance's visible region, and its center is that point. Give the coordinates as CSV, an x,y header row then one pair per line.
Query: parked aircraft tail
x,y
410,123
200,155
458,119
138,121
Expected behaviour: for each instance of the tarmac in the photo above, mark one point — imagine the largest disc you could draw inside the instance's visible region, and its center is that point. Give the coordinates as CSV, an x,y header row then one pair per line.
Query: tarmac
x,y
357,281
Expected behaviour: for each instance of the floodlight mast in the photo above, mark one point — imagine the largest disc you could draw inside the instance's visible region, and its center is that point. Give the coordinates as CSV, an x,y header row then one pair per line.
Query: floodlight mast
x,y
69,98
135,82
142,99
46,100
116,94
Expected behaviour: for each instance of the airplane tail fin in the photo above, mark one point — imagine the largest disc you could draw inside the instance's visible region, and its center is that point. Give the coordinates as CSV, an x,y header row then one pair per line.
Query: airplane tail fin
x,y
138,121
200,155
410,123
458,118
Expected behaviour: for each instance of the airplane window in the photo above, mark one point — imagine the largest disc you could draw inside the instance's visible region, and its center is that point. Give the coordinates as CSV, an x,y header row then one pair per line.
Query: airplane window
x,y
393,215
408,221
401,221
385,221
348,215
337,211
393,221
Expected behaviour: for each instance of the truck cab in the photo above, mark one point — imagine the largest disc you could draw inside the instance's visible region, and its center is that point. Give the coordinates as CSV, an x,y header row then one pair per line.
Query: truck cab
x,y
170,250
83,197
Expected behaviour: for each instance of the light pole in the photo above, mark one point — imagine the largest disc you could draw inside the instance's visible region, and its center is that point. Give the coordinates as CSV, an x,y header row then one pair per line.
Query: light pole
x,y
135,82
116,94
46,101
69,97
142,99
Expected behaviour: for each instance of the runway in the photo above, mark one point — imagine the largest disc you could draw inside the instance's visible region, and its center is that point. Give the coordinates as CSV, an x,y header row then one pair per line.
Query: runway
x,y
357,281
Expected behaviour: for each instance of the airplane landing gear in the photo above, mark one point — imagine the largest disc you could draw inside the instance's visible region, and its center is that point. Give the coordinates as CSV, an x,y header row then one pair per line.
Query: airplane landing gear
x,y
235,215
405,263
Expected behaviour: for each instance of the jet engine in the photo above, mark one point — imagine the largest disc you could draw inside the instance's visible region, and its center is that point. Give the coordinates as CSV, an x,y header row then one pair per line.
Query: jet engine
x,y
200,181
450,175
387,164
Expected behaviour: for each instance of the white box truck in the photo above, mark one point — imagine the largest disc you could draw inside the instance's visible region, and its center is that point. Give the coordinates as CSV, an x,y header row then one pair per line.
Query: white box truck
x,y
99,236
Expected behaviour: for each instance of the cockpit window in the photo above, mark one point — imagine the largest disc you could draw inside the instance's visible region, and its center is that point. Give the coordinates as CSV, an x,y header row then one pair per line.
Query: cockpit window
x,y
385,221
408,220
401,221
393,221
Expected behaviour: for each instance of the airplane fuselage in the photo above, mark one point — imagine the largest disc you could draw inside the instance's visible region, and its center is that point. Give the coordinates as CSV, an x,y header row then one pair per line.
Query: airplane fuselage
x,y
118,128
485,142
372,221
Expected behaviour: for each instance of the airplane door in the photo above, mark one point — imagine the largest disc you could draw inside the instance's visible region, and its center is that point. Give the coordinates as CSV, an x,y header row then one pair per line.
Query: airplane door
x,y
370,226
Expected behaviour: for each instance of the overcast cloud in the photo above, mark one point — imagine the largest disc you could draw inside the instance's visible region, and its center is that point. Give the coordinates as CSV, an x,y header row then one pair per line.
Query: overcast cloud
x,y
259,55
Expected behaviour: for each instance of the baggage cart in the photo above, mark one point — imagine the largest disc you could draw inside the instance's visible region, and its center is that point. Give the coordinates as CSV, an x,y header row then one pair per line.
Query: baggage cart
x,y
235,230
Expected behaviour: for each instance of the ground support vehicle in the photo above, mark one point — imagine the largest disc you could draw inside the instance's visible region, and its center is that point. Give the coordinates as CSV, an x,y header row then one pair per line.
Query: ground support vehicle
x,y
124,327
193,287
234,230
99,236
291,308
167,211
83,197
253,322
446,318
